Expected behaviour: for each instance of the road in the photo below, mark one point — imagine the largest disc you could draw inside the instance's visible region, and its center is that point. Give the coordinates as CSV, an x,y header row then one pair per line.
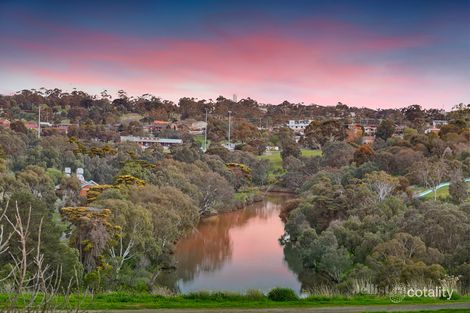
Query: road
x,y
330,309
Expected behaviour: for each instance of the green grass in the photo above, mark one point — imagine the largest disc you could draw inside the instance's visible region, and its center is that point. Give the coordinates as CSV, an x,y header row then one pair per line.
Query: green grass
x,y
199,139
442,193
310,153
124,300
246,194
276,161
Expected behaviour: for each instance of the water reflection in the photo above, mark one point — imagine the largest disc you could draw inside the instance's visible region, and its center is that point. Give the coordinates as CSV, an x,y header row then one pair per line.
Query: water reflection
x,y
310,280
235,251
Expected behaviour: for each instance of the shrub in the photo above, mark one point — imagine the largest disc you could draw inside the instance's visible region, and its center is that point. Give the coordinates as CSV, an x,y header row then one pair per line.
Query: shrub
x,y
213,295
254,294
282,294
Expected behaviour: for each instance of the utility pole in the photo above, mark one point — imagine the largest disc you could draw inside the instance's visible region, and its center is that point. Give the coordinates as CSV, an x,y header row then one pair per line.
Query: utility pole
x,y
39,123
205,134
229,126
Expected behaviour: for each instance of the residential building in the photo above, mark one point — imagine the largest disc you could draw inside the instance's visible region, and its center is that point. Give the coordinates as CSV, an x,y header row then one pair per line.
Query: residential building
x,y
144,142
60,128
230,146
85,185
354,132
436,126
368,140
298,125
4,123
192,126
370,130
197,128
432,130
439,123
159,125
31,125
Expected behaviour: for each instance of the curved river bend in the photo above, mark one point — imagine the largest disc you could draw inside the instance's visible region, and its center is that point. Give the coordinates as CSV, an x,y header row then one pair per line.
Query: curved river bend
x,y
236,251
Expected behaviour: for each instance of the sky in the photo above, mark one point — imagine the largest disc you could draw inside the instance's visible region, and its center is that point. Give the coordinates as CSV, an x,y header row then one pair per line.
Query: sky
x,y
378,53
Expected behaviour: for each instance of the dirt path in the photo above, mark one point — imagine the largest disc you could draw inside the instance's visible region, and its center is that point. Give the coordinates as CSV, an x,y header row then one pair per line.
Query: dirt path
x,y
336,309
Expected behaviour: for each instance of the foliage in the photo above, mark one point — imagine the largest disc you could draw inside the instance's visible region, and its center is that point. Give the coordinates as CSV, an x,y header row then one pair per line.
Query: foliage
x,y
95,191
386,129
363,154
355,216
317,134
282,294
93,233
458,190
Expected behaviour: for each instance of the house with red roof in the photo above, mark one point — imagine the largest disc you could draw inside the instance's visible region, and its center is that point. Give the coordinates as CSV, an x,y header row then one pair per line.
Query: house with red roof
x,y
4,123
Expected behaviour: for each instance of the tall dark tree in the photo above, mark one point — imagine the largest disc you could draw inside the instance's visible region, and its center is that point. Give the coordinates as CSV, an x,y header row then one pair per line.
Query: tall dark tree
x,y
386,129
317,134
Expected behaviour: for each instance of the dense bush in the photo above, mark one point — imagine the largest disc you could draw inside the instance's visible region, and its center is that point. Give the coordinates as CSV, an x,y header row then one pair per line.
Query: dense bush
x,y
282,294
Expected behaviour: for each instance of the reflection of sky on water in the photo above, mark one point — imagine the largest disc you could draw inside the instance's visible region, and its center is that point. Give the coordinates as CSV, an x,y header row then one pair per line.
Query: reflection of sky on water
x,y
234,251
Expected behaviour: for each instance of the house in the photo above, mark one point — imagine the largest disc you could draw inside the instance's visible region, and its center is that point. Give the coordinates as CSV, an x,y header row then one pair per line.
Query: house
x,y
354,132
59,128
368,140
159,125
436,126
85,185
432,130
197,127
230,146
192,126
298,125
4,123
31,125
439,123
144,142
370,130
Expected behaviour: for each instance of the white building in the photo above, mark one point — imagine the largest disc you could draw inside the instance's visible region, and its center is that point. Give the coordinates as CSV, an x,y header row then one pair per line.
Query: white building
x,y
230,146
370,130
298,125
439,123
147,141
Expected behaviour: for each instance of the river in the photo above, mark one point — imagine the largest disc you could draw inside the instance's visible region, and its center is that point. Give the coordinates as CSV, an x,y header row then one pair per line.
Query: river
x,y
236,251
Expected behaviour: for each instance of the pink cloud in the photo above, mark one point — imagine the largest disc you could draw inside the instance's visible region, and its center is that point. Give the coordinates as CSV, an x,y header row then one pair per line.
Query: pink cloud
x,y
334,64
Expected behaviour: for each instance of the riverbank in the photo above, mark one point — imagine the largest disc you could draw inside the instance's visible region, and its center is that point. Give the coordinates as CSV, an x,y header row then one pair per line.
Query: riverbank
x,y
247,196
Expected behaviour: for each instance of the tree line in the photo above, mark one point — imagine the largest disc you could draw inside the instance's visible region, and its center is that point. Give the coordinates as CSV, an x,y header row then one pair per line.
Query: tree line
x,y
357,217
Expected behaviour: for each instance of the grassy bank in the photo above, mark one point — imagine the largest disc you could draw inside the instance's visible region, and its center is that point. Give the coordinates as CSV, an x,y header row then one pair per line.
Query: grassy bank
x,y
247,196
442,193
254,299
275,157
